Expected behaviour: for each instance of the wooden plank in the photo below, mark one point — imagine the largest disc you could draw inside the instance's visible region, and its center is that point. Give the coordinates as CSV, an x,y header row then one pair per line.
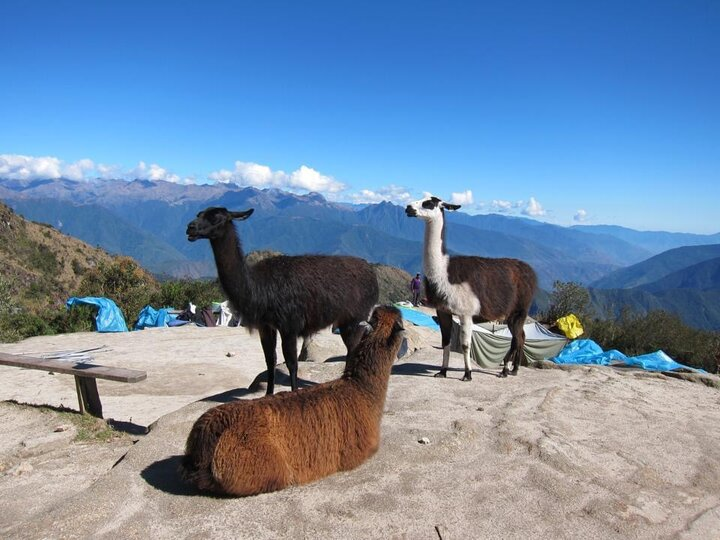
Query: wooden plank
x,y
85,369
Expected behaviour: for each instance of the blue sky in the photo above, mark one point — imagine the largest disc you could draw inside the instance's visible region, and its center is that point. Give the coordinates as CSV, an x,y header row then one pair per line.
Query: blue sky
x,y
567,112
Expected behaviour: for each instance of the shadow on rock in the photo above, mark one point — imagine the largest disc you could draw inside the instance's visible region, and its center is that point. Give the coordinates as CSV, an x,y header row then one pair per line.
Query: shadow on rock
x,y
228,396
333,359
282,381
164,475
427,370
127,427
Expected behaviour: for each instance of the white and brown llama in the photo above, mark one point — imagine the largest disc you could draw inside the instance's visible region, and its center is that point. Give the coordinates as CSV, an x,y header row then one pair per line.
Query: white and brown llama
x,y
252,446
473,288
296,296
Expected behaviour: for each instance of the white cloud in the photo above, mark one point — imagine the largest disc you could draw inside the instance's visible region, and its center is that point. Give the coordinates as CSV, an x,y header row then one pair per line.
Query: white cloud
x,y
312,180
18,167
465,198
530,208
254,174
580,216
78,170
152,172
533,208
248,174
504,207
392,193
107,172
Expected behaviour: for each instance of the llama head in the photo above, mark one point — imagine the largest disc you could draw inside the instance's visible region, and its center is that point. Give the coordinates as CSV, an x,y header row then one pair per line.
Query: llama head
x,y
429,209
213,223
385,325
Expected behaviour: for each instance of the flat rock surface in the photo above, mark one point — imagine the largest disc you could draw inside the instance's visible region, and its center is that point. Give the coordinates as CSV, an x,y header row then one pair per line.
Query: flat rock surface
x,y
590,452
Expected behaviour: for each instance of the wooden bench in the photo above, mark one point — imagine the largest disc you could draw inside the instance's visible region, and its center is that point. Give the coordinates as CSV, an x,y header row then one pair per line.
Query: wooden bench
x,y
85,376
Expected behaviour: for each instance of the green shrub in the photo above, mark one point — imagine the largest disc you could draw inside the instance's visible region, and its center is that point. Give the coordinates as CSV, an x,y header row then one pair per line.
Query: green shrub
x,y
77,267
17,326
6,301
8,334
124,282
566,298
634,334
43,259
80,318
178,293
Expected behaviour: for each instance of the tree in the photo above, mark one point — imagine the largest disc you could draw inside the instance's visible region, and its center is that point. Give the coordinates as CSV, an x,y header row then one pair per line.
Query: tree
x,y
123,281
568,297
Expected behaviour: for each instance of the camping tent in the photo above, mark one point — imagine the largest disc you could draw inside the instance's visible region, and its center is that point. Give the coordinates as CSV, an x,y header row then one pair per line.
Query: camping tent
x,y
491,341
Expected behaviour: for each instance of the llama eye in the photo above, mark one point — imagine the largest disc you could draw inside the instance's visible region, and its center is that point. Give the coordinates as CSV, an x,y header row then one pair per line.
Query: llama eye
x,y
428,205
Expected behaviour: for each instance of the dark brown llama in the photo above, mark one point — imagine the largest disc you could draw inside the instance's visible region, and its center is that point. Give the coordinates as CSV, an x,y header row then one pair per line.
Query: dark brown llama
x,y
473,288
254,446
296,296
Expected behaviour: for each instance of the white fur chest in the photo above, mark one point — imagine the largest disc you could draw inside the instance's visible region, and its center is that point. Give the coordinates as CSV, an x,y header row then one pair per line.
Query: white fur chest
x,y
459,297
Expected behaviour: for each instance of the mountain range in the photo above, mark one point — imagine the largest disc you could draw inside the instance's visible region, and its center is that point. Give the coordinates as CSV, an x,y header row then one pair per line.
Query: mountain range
x,y
146,220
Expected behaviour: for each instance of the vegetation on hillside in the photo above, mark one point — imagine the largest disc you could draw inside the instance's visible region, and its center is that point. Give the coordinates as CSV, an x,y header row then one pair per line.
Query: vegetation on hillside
x,y
635,333
42,266
124,281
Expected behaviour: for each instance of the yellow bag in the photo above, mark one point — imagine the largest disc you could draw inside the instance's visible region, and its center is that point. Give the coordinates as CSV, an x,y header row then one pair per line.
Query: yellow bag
x,y
570,326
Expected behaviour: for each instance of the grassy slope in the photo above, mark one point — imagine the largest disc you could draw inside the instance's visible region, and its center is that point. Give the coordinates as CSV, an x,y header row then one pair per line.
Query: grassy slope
x,y
41,265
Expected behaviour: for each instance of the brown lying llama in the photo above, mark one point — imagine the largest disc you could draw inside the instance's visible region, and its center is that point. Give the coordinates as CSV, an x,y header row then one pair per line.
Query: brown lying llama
x,y
473,288
254,446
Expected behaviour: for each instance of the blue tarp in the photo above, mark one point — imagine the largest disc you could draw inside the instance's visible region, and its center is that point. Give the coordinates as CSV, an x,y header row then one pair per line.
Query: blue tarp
x,y
109,318
418,318
151,317
586,351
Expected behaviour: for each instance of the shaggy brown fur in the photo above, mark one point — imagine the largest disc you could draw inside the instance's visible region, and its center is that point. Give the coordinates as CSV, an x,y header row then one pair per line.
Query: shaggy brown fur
x,y
255,446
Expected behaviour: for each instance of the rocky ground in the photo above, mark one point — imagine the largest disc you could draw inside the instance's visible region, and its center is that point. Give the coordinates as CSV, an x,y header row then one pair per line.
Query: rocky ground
x,y
587,452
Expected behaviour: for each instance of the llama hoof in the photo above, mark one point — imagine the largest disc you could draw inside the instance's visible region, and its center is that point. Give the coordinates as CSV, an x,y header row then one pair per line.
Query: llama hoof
x,y
442,373
503,374
467,377
514,372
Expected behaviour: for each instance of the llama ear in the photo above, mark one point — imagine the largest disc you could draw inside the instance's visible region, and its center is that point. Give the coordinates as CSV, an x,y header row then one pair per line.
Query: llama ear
x,y
448,206
366,326
242,215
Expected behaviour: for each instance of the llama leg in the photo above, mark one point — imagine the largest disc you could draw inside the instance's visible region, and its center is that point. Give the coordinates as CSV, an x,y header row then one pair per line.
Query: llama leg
x,y
466,337
515,323
519,342
445,322
268,340
304,354
289,349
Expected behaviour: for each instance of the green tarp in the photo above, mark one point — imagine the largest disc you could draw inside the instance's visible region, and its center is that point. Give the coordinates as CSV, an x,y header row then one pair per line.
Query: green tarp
x,y
491,341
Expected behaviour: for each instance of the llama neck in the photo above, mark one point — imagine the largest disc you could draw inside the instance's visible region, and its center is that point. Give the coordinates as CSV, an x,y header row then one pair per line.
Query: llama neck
x,y
369,371
232,269
435,258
